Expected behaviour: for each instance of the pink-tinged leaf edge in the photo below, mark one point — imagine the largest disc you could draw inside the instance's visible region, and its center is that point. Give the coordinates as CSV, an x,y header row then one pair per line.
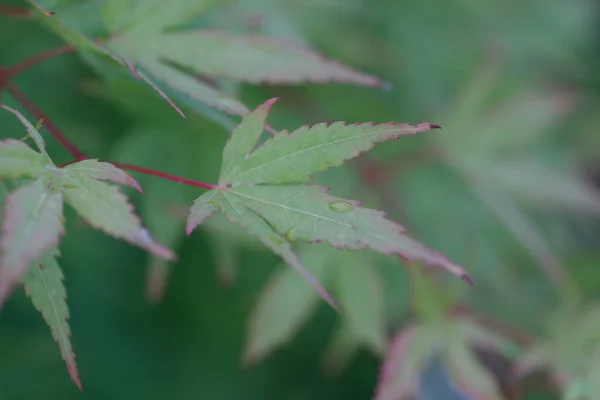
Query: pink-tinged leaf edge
x,y
433,259
392,363
342,73
67,356
8,226
197,218
141,238
115,174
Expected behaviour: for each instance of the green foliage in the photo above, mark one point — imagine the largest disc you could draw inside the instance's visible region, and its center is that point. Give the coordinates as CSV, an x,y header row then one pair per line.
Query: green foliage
x,y
32,223
43,284
290,213
507,189
142,39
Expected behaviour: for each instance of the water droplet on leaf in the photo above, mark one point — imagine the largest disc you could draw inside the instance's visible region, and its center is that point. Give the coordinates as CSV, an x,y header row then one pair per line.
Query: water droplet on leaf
x,y
291,234
341,206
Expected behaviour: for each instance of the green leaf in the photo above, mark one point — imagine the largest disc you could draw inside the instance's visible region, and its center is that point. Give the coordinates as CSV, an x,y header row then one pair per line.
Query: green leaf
x,y
202,209
285,304
293,157
254,59
43,284
32,223
190,86
117,14
469,374
244,138
18,160
361,298
152,15
175,57
237,212
104,207
46,15
307,213
103,171
31,131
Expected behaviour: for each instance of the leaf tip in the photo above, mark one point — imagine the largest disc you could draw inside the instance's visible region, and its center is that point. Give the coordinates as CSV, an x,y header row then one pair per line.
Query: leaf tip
x,y
75,378
269,103
134,184
143,239
465,277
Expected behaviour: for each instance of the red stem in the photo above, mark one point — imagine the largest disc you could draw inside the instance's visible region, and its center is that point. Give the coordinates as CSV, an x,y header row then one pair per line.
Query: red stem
x,y
79,155
53,129
14,12
164,175
38,58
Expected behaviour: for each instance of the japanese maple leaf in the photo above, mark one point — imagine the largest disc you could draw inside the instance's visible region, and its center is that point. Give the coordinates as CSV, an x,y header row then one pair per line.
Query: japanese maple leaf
x,y
32,220
142,38
570,352
32,224
452,341
502,166
262,189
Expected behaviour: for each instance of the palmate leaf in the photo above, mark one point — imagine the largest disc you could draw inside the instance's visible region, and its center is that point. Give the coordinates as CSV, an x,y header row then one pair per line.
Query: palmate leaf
x,y
293,157
254,59
289,213
569,352
44,285
32,223
140,41
446,337
503,169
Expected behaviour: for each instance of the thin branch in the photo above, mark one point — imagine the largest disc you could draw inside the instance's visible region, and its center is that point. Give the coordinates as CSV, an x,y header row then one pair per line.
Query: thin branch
x,y
38,58
79,155
164,175
53,129
14,12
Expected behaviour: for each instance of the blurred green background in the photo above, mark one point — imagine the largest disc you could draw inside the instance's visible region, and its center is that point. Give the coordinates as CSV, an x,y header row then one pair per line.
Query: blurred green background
x,y
513,83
